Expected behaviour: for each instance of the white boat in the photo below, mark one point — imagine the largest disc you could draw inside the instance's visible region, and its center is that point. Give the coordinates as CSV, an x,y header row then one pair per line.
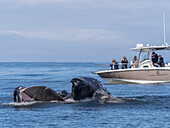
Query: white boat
x,y
145,73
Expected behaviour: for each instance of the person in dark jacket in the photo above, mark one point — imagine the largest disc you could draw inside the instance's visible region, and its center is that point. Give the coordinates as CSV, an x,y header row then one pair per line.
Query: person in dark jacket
x,y
154,57
114,65
124,63
160,62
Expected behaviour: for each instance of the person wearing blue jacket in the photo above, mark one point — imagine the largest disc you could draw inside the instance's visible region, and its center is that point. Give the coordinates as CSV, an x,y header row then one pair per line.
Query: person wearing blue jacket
x,y
114,65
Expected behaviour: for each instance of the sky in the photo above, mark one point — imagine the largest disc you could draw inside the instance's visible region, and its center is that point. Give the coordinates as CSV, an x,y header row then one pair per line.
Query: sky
x,y
79,30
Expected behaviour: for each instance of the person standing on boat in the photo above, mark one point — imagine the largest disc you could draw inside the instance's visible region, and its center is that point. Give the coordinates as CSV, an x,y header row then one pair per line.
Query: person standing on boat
x,y
124,63
134,62
160,62
114,65
154,57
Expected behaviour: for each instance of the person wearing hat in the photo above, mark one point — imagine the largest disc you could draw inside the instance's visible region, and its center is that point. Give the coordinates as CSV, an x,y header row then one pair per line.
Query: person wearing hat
x,y
154,57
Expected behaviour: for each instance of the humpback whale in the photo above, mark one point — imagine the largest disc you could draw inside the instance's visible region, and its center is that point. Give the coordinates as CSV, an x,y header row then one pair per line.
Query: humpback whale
x,y
35,93
82,88
85,87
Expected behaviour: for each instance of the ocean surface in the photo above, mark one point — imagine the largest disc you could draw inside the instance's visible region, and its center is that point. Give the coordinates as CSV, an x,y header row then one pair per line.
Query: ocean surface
x,y
145,106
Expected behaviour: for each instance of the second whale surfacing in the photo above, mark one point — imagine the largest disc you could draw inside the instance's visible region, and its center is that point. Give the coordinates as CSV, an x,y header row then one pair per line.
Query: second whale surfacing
x,y
82,88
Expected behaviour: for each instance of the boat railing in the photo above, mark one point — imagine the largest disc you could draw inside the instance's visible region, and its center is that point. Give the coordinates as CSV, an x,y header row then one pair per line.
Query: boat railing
x,y
108,67
143,64
167,65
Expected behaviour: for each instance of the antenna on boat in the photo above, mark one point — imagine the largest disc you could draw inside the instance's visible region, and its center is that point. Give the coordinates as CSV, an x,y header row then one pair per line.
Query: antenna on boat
x,y
164,27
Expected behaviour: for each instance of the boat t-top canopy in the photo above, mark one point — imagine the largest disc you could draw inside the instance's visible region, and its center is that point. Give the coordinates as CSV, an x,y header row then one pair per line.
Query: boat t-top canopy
x,y
141,48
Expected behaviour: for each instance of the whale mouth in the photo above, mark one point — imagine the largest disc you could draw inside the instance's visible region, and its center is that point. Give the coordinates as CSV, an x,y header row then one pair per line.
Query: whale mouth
x,y
77,92
20,95
82,88
36,93
25,97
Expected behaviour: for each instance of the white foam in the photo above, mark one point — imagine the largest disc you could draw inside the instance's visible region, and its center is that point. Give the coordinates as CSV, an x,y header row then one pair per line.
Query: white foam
x,y
55,101
70,101
86,100
76,101
21,103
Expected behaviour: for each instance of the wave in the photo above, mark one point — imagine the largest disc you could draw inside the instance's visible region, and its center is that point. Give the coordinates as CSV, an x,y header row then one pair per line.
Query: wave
x,y
32,75
118,100
21,103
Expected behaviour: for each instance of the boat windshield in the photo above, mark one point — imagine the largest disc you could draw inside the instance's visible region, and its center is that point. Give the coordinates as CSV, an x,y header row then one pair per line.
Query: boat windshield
x,y
144,56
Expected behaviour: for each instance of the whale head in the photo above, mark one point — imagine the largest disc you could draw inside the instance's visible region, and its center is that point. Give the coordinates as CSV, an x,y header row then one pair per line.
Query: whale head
x,y
35,93
20,95
84,87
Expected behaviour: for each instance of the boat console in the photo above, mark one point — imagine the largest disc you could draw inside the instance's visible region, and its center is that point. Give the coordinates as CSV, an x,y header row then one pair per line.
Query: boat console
x,y
146,64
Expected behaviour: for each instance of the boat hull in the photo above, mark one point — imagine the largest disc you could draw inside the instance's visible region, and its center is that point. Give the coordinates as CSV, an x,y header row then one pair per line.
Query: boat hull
x,y
140,76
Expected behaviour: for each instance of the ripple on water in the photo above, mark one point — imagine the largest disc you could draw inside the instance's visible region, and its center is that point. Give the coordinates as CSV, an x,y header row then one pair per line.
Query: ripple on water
x,y
144,106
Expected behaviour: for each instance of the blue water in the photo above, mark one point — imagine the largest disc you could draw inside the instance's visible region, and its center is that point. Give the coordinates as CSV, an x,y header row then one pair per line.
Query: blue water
x,y
146,106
